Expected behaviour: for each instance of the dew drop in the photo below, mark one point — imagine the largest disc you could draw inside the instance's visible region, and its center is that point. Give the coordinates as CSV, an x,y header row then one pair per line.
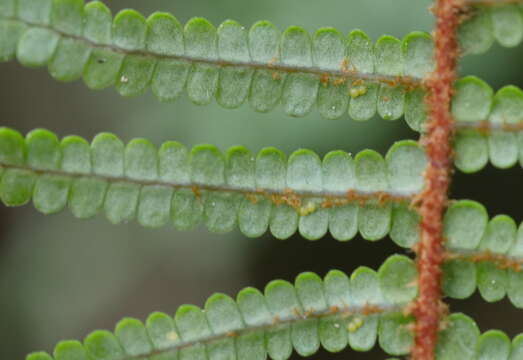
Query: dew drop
x,y
124,79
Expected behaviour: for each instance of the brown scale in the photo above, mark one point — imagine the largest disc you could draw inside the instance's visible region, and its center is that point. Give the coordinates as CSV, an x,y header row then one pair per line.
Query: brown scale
x,y
334,309
291,199
298,313
362,202
339,82
358,82
344,66
276,76
276,199
252,198
324,79
307,314
339,202
416,201
501,261
465,12
196,191
409,308
351,195
327,203
484,128
369,309
384,198
391,83
346,314
513,127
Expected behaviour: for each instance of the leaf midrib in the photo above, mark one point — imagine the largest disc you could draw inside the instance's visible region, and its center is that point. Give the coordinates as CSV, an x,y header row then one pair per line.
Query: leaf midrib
x,y
348,195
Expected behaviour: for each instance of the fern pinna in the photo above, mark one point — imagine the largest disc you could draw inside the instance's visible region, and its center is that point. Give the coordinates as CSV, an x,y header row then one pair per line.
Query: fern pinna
x,y
403,194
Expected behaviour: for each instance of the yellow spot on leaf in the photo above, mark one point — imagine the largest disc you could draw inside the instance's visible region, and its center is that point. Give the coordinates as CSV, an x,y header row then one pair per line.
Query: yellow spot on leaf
x,y
355,324
308,209
357,91
173,336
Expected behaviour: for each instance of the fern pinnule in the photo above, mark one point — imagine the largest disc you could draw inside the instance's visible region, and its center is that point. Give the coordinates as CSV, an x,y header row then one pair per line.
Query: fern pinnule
x,y
488,125
358,311
489,21
204,185
334,313
227,63
303,193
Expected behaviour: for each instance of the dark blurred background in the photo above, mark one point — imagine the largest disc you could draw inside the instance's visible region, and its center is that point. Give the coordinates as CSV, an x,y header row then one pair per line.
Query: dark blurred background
x,y
61,277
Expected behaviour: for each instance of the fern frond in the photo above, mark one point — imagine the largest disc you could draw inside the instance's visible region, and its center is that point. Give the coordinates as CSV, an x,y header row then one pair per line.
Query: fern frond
x,y
483,254
304,193
489,126
502,23
468,228
461,339
359,311
262,66
333,313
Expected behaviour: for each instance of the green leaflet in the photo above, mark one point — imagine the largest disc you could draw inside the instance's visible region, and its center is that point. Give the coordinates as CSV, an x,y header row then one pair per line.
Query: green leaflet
x,y
502,23
459,340
492,281
397,279
499,235
227,63
476,33
493,344
221,191
472,101
488,254
459,279
300,316
475,107
464,225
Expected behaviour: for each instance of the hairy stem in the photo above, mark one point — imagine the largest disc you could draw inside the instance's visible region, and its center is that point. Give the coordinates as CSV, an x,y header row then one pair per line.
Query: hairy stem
x,y
428,309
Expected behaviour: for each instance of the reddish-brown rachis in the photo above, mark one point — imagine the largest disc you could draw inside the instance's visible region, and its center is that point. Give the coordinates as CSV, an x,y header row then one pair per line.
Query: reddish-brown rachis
x,y
428,309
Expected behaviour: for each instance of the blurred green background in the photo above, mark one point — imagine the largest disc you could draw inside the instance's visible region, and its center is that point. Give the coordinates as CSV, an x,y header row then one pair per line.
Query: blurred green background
x,y
61,277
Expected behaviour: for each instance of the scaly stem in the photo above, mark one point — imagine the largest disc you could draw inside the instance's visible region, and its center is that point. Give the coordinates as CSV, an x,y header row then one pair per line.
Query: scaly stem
x,y
428,308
